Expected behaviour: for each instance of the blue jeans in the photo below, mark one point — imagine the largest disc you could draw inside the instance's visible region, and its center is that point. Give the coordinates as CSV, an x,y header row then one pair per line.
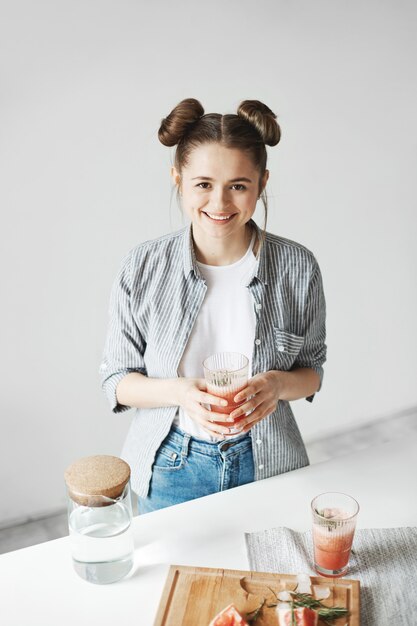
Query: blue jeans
x,y
186,468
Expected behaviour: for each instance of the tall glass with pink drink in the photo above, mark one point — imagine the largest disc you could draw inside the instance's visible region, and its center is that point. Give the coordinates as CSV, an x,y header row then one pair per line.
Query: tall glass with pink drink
x,y
226,374
334,522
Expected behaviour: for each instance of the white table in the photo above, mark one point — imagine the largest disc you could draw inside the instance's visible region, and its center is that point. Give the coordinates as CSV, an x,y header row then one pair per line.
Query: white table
x,y
39,587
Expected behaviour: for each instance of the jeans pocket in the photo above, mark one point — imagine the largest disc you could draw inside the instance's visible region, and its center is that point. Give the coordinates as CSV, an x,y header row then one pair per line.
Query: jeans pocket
x,y
168,458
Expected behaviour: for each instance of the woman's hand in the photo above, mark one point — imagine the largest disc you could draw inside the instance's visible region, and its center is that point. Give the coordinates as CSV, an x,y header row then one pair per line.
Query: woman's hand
x,y
191,393
265,389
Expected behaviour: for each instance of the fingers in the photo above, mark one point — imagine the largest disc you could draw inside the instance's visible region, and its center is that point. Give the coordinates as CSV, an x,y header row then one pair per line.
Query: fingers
x,y
257,396
249,391
258,401
197,393
247,407
193,401
214,428
218,423
207,398
262,411
213,416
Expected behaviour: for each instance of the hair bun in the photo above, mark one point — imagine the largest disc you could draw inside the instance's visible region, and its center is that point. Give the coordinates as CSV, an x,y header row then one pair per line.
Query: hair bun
x,y
175,125
264,120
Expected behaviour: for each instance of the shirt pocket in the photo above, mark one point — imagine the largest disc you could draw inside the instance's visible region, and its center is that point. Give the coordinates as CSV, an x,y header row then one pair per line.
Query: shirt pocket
x,y
287,348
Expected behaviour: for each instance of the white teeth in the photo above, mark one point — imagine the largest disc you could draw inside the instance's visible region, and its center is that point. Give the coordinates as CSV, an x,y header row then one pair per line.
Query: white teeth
x,y
218,217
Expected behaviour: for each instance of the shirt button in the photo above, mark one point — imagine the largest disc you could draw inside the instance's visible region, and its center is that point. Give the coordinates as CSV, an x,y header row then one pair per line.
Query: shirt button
x,y
259,306
260,466
257,341
281,348
259,441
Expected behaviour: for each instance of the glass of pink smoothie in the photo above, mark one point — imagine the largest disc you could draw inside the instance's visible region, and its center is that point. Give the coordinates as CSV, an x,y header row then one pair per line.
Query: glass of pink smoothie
x,y
334,522
226,373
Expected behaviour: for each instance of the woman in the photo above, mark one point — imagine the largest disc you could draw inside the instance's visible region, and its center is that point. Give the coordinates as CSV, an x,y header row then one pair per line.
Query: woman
x,y
218,284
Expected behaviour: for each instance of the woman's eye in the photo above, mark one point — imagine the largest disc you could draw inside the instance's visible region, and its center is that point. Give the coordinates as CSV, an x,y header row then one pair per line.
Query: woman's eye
x,y
236,185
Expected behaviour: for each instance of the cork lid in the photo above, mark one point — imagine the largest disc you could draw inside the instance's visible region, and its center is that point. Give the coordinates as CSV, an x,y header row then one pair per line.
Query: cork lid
x,y
99,475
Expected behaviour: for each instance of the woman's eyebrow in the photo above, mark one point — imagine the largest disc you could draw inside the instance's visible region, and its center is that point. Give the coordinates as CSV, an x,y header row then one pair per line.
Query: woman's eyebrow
x,y
234,180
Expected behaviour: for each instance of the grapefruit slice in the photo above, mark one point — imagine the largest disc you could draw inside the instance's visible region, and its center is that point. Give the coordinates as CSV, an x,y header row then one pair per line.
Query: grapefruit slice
x,y
230,616
303,616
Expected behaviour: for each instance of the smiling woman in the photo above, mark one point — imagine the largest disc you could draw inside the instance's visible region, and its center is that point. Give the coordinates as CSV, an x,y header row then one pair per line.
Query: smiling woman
x,y
218,204
219,284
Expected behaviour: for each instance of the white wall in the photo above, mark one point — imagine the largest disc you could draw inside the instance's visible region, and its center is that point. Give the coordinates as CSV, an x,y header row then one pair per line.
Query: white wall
x,y
84,86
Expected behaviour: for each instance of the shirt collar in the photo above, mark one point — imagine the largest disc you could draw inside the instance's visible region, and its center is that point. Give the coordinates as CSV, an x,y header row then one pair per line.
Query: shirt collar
x,y
190,261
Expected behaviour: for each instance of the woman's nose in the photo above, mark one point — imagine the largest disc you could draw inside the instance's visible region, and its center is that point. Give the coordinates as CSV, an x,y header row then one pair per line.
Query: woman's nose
x,y
220,199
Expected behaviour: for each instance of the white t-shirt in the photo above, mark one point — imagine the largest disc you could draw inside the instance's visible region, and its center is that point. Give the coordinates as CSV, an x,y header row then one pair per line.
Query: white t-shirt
x,y
226,322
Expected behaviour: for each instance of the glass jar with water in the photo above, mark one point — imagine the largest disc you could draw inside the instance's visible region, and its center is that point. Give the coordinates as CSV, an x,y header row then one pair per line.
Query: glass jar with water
x,y
99,518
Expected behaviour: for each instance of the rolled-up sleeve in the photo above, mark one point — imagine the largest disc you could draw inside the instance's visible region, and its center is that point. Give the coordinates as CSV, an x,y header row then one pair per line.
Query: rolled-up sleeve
x,y
314,350
124,346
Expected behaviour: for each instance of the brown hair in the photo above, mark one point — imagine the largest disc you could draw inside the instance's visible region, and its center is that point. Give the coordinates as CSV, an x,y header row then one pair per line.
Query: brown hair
x,y
253,126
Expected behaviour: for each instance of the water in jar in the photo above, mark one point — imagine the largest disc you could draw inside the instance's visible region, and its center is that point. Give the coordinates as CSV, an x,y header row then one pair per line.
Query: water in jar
x,y
101,542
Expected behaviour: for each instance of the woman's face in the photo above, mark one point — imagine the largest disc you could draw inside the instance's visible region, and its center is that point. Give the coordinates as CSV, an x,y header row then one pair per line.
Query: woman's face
x,y
220,188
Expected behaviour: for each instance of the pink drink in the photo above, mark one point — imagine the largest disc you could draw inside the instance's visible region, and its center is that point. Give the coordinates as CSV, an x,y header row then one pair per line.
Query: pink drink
x,y
332,547
334,521
226,373
231,405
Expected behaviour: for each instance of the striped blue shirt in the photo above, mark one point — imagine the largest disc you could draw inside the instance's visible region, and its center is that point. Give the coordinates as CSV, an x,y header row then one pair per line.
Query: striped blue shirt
x,y
154,303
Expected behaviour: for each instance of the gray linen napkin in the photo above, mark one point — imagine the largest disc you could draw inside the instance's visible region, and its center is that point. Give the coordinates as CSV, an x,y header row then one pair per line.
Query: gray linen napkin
x,y
384,560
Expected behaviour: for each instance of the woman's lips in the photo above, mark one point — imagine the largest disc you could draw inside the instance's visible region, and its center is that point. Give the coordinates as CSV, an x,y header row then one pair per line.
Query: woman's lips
x,y
220,221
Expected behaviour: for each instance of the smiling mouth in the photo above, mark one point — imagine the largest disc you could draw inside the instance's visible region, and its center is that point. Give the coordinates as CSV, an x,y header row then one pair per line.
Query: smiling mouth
x,y
217,217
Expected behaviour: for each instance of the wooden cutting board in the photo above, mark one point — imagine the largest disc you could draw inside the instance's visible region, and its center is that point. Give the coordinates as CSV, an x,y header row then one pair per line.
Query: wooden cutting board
x,y
192,596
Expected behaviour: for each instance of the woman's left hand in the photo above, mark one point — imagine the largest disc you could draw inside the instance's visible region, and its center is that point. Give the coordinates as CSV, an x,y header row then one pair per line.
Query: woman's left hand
x,y
265,389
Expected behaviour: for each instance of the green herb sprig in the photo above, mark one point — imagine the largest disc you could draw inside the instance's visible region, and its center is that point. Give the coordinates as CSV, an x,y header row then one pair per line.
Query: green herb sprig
x,y
326,614
299,600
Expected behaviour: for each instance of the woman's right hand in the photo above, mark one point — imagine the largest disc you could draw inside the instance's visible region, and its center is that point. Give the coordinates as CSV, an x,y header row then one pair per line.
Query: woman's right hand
x,y
191,393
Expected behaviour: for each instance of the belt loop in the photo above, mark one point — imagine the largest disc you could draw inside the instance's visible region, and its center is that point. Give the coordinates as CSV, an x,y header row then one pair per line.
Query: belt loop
x,y
185,442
